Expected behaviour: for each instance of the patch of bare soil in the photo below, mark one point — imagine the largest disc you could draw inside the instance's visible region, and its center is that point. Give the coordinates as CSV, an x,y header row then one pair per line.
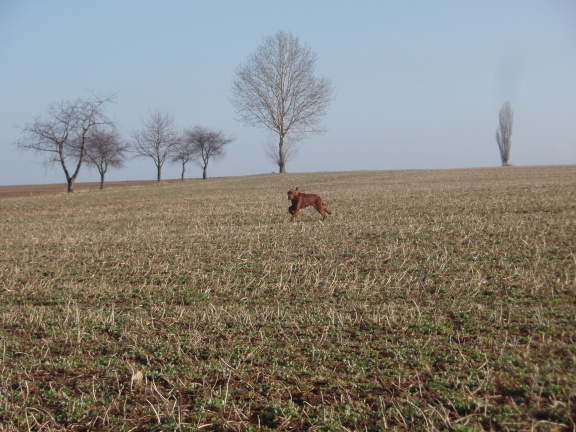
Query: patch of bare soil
x,y
60,188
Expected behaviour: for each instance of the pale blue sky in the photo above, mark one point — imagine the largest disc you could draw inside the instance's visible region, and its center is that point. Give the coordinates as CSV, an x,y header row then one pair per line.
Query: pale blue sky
x,y
418,84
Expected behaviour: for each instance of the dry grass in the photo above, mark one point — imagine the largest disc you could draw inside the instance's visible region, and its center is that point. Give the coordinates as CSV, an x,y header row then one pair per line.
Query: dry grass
x,y
429,300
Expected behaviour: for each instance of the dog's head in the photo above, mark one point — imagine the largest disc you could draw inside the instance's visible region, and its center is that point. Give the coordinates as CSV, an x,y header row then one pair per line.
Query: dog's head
x,y
293,194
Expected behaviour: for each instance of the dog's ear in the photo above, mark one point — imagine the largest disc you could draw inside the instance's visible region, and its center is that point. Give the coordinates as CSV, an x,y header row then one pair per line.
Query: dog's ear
x,y
296,189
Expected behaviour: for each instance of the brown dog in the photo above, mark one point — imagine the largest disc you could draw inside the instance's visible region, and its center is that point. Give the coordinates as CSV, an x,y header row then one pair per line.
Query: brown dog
x,y
302,200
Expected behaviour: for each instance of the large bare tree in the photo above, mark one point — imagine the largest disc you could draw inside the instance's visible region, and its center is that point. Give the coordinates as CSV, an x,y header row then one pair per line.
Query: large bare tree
x,y
277,89
157,140
104,150
62,137
504,132
206,145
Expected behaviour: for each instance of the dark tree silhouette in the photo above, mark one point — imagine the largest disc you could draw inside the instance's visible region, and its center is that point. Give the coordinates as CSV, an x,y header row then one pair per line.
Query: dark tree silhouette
x,y
105,150
504,132
157,140
63,136
184,152
206,145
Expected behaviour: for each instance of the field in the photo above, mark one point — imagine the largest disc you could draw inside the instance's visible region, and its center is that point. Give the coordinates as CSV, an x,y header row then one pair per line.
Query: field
x,y
61,188
429,300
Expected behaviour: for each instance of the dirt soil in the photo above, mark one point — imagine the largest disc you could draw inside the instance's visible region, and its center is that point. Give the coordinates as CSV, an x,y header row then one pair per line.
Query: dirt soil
x,y
61,188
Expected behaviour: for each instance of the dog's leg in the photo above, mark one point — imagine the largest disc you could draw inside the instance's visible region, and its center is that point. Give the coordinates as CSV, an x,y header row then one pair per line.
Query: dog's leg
x,y
294,209
320,209
325,207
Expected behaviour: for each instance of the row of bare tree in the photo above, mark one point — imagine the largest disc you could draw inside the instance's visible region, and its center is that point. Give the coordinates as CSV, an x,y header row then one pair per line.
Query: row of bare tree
x,y
160,141
276,89
79,132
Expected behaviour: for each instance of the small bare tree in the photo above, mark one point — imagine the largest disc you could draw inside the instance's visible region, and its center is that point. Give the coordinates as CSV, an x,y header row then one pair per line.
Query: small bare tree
x,y
277,90
157,140
504,132
104,150
63,136
184,152
206,145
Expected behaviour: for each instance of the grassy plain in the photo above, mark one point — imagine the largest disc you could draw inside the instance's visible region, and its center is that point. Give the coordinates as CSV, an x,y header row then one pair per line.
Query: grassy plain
x,y
429,300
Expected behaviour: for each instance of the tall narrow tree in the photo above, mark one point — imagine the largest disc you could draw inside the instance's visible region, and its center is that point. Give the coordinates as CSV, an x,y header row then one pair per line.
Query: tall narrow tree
x,y
504,132
105,150
157,140
63,136
278,90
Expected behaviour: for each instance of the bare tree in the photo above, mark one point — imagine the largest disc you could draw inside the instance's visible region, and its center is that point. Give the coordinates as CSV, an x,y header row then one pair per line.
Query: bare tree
x,y
157,140
104,150
184,152
63,136
206,145
290,150
504,132
277,90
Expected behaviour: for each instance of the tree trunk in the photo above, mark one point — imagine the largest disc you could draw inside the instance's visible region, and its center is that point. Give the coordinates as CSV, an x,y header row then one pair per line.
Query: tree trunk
x,y
70,178
204,174
281,155
183,170
101,181
159,176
